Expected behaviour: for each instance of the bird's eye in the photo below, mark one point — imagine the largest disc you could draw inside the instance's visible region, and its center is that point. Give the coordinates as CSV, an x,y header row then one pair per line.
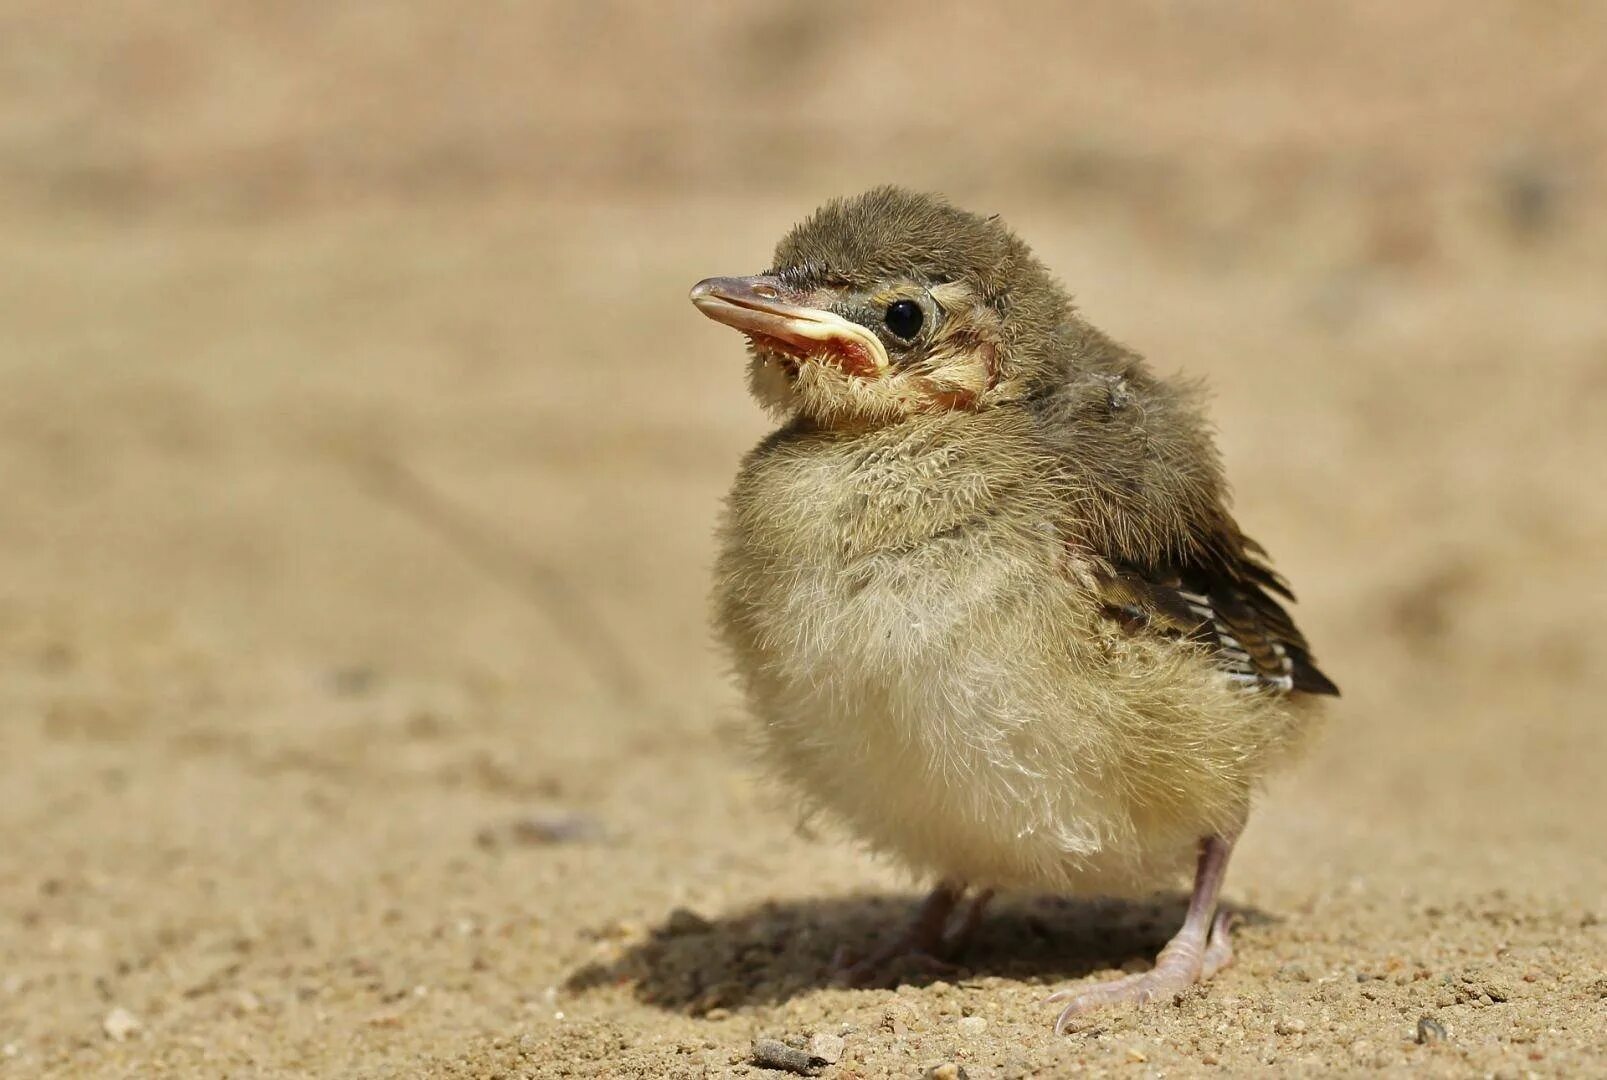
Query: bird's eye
x,y
904,318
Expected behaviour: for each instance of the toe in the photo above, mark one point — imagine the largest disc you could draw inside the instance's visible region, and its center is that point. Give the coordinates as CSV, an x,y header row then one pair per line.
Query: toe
x,y
1219,953
1132,990
1087,999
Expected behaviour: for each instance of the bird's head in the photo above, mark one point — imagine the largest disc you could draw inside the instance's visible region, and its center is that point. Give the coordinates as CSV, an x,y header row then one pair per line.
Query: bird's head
x,y
890,304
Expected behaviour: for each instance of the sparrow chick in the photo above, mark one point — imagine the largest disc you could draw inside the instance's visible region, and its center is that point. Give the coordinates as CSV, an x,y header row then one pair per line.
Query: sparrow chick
x,y
982,588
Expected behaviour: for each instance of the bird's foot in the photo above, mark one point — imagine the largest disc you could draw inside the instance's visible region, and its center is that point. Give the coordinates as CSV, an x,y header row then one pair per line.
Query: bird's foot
x,y
929,943
865,970
1187,959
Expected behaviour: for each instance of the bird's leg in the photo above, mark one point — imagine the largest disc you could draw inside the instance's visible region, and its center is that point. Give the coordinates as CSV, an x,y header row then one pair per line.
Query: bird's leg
x,y
958,939
1198,951
927,937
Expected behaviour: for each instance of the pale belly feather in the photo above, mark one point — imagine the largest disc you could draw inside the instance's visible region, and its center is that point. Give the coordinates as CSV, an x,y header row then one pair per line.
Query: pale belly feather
x,y
930,701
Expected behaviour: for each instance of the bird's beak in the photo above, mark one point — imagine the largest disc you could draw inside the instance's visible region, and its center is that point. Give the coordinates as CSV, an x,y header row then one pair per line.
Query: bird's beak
x,y
776,316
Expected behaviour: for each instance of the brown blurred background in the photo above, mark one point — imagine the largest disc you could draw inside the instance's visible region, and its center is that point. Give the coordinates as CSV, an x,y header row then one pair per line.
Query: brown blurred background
x,y
360,455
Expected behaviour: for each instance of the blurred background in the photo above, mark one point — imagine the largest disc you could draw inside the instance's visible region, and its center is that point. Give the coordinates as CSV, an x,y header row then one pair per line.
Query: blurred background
x,y
360,456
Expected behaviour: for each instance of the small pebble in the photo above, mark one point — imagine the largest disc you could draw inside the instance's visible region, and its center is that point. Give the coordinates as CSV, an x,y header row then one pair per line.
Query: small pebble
x,y
119,1024
973,1025
681,922
1287,1026
826,1048
352,681
1430,1030
775,1054
620,930
542,829
946,1071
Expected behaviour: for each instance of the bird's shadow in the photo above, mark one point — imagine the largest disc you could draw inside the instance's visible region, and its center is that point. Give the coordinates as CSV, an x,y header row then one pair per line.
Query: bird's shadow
x,y
780,949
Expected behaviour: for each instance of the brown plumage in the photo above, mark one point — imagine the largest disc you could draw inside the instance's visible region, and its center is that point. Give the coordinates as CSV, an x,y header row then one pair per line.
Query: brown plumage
x,y
982,587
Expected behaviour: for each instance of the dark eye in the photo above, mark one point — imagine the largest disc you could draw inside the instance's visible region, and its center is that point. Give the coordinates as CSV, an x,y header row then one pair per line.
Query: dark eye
x,y
904,318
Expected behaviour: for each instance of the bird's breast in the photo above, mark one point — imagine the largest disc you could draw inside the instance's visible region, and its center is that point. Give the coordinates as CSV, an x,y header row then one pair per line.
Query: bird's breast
x,y
885,554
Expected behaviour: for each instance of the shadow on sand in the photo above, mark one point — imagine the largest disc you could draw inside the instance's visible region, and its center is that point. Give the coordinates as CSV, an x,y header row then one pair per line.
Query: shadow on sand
x,y
781,949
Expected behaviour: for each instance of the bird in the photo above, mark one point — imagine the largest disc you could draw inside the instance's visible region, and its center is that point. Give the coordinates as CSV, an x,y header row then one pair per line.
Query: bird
x,y
982,589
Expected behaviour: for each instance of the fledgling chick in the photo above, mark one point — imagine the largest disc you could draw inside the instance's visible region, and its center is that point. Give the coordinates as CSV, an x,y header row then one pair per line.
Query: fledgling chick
x,y
982,587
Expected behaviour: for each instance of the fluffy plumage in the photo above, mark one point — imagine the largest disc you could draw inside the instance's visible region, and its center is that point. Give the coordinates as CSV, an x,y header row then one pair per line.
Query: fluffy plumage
x,y
982,588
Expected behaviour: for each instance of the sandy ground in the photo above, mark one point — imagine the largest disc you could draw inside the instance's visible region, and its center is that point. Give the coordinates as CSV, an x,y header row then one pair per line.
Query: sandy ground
x,y
357,711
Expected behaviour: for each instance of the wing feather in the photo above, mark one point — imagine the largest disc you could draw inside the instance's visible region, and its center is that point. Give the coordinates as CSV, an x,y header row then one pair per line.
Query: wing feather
x,y
1230,610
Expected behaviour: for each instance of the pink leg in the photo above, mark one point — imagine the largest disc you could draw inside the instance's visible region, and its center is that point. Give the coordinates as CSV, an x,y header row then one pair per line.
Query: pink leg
x,y
927,938
958,939
1198,951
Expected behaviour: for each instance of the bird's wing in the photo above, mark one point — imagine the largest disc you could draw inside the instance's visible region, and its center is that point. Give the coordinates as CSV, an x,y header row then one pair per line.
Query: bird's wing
x,y
1146,499
1226,602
